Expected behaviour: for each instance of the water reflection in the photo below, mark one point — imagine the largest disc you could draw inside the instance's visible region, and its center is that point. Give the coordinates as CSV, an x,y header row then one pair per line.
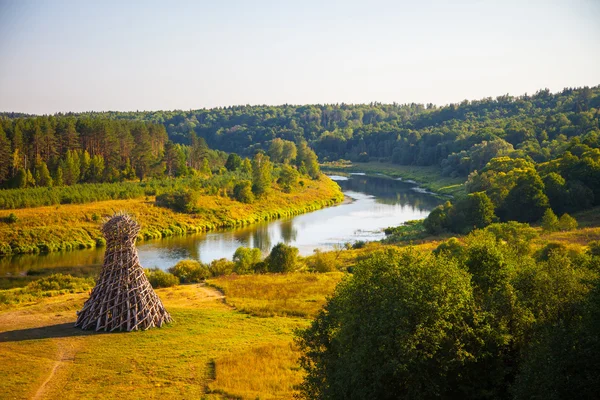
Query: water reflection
x,y
372,203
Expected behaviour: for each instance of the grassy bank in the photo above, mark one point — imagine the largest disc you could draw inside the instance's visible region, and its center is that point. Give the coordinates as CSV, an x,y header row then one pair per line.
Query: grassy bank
x,y
211,351
76,226
427,177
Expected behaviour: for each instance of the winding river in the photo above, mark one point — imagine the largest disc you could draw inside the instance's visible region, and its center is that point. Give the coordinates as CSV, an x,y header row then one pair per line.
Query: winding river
x,y
372,204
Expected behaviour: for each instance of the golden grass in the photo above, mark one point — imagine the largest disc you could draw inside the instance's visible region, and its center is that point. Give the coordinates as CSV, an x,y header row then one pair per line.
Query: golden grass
x,y
294,294
67,227
211,351
39,344
265,372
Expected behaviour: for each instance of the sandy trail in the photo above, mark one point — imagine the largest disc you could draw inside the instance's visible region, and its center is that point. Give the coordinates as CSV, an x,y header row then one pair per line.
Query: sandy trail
x,y
65,358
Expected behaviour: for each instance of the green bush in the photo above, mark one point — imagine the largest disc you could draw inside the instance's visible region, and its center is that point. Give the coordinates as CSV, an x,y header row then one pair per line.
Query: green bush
x,y
245,258
161,279
282,258
221,266
549,221
567,223
242,192
190,271
60,282
12,218
323,261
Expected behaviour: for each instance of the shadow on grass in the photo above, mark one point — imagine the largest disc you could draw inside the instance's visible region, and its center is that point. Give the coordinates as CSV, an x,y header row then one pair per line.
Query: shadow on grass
x,y
44,332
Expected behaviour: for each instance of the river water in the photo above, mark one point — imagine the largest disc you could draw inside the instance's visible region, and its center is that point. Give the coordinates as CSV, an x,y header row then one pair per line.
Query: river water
x,y
372,204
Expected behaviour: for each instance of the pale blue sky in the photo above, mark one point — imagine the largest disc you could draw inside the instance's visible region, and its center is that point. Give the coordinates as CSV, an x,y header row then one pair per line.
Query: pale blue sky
x,y
150,55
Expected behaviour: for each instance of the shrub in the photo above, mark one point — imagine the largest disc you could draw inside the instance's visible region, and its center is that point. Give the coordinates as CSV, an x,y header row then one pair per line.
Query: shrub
x,y
261,267
567,223
12,218
190,271
60,282
161,279
245,258
549,221
552,247
222,266
182,201
359,244
242,192
282,258
323,261
594,248
451,248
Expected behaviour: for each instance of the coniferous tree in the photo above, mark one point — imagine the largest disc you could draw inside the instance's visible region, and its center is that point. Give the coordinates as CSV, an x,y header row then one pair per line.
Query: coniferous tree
x,y
42,174
5,156
549,221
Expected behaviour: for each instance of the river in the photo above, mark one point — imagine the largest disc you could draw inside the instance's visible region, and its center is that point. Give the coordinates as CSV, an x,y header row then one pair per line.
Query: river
x,y
372,204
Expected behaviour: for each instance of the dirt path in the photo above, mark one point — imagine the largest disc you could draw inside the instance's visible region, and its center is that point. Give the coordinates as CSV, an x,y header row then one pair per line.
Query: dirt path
x,y
65,357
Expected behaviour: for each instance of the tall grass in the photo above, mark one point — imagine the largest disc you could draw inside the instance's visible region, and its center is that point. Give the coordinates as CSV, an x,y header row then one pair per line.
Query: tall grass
x,y
48,286
269,295
265,372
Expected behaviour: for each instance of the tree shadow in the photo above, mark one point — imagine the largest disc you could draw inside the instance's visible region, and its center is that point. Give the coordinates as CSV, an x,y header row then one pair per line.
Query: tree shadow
x,y
43,332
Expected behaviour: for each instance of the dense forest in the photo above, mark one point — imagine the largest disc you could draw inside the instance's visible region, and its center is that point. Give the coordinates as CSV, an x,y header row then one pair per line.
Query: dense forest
x,y
458,137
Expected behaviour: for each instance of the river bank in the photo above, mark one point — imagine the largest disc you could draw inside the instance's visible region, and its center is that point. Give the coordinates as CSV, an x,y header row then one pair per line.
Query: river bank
x,y
77,226
426,177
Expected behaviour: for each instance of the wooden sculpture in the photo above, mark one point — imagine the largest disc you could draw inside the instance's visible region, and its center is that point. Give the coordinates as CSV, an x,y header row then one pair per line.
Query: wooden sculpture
x,y
123,299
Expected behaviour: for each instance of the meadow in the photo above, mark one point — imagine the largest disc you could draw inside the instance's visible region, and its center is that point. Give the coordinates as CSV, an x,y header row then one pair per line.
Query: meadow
x,y
213,350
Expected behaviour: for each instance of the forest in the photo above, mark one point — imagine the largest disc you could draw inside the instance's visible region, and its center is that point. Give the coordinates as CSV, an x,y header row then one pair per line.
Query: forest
x,y
460,138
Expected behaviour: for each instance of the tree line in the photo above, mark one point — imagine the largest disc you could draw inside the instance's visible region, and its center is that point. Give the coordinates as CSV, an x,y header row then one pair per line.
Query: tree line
x,y
61,150
460,138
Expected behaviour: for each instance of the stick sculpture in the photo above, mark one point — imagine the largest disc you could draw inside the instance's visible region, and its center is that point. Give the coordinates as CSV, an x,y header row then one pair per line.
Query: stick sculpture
x,y
123,299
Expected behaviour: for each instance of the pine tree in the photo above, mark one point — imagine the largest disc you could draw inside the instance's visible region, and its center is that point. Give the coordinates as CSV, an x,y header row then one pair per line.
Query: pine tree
x,y
5,156
42,174
58,178
549,221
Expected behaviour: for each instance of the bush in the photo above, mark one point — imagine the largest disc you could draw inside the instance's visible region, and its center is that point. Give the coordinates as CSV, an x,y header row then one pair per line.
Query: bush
x,y
549,221
323,261
60,282
221,266
182,201
282,258
567,223
242,192
190,271
245,258
451,248
594,248
12,218
544,253
359,244
161,279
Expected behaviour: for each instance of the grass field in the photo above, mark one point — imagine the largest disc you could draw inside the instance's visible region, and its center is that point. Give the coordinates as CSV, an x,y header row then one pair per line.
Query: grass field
x,y
211,351
427,177
70,227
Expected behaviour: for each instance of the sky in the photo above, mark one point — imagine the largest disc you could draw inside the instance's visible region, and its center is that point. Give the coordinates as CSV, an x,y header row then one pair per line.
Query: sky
x,y
59,56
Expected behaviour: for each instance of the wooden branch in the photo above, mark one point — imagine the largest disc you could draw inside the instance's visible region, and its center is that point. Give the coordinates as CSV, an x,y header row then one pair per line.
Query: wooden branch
x,y
122,299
